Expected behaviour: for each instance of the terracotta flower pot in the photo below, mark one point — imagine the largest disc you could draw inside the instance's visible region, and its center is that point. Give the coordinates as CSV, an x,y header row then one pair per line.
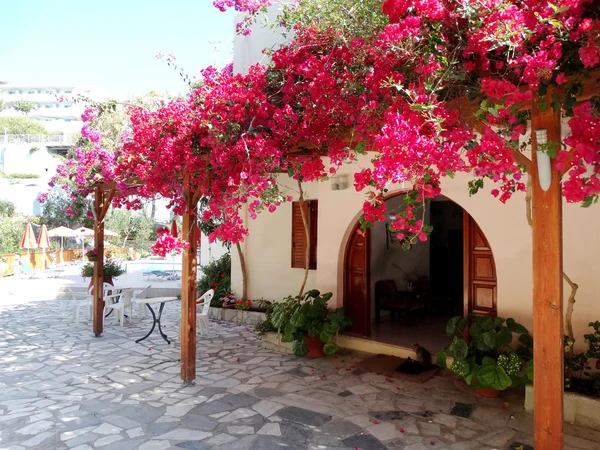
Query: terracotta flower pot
x,y
315,346
488,392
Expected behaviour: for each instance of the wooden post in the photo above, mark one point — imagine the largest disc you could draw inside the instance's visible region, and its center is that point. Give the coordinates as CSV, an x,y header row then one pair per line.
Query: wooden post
x,y
102,198
188,286
548,349
98,292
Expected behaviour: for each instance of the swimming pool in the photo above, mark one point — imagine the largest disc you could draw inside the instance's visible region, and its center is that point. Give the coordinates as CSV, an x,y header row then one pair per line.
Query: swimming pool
x,y
147,265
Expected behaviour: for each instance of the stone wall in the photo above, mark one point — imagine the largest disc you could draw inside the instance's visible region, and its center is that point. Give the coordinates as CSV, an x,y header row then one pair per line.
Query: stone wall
x,y
578,409
237,315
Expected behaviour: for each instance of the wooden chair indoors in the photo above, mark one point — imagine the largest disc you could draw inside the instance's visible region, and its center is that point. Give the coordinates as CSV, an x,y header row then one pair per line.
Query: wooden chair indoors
x,y
388,298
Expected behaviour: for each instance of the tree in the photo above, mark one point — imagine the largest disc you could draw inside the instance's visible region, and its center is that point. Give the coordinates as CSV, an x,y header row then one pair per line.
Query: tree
x,y
60,208
21,125
23,106
2,106
11,231
129,225
7,208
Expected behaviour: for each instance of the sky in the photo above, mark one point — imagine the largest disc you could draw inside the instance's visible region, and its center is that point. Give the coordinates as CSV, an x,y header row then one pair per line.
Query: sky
x,y
111,45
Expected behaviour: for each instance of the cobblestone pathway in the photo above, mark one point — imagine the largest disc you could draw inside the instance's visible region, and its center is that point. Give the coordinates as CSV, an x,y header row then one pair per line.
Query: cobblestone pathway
x,y
61,388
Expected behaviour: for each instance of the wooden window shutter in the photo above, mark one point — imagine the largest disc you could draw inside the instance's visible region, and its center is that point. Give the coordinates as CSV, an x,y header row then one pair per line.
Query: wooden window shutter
x,y
299,235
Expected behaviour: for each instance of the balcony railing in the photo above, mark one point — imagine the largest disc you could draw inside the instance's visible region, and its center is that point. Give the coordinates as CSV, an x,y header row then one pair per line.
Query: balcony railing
x,y
51,139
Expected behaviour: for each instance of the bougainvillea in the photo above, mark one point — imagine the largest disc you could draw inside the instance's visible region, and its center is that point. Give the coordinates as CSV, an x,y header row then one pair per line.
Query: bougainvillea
x,y
398,94
167,244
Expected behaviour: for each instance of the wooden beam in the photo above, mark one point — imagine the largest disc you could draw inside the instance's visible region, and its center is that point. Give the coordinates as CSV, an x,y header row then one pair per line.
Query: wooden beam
x,y
108,192
188,286
548,350
98,280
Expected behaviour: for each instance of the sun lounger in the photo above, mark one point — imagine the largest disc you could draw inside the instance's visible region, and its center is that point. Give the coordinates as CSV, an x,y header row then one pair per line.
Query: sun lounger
x,y
159,274
26,271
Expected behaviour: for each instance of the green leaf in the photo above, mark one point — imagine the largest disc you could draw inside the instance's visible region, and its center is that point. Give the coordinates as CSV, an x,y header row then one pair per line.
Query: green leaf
x,y
325,336
488,361
515,327
451,326
360,148
440,359
330,348
300,348
475,330
526,340
495,377
504,337
289,329
287,337
487,323
298,319
290,172
489,339
460,349
493,112
529,370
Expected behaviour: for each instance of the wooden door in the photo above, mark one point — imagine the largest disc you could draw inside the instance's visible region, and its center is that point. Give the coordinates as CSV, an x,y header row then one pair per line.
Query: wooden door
x,y
479,271
357,282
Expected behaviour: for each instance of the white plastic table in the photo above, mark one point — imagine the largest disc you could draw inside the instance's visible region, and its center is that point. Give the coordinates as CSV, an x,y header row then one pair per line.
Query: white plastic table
x,y
156,320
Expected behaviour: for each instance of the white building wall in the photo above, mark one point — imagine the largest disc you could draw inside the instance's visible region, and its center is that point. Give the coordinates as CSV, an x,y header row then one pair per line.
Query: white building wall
x,y
248,50
210,252
268,248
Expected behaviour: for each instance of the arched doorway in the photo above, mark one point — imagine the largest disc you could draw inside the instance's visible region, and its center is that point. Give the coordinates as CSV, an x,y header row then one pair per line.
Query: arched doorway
x,y
458,261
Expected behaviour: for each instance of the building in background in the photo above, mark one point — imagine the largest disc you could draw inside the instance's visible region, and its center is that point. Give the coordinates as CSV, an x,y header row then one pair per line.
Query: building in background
x,y
54,105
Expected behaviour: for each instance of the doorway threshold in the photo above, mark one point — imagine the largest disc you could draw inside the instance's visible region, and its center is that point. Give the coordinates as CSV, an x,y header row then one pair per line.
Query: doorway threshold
x,y
366,345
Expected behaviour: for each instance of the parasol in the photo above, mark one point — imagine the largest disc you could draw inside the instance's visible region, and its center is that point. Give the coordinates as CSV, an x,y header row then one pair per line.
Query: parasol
x,y
28,240
84,232
44,243
61,232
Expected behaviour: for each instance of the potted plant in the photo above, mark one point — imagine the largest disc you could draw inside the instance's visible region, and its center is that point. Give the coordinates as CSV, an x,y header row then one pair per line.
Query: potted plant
x,y
483,355
112,269
92,255
308,323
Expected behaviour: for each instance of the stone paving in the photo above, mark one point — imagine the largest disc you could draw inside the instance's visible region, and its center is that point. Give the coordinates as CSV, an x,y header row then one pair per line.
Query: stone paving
x,y
61,388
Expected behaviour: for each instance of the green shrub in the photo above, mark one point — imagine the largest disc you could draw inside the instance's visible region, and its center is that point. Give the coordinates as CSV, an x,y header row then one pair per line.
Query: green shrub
x,y
111,269
217,276
266,325
20,175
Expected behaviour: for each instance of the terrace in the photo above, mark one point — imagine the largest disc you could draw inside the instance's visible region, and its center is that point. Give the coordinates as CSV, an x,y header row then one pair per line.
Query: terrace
x,y
61,388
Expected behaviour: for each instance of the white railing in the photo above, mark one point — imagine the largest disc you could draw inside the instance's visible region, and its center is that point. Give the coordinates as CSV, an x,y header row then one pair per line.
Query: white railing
x,y
52,139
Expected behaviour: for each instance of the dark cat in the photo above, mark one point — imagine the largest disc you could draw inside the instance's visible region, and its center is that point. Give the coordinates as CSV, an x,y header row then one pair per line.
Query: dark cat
x,y
423,356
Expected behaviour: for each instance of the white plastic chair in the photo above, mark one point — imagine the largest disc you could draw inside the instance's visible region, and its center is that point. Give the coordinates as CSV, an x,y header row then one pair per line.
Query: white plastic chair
x,y
85,300
139,295
123,305
81,300
202,317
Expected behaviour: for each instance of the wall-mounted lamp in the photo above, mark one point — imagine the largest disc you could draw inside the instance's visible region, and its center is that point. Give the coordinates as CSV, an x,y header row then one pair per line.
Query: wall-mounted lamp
x,y
339,183
543,161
